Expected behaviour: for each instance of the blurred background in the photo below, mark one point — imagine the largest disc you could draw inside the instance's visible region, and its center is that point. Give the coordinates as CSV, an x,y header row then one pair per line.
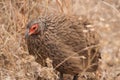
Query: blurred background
x,y
17,64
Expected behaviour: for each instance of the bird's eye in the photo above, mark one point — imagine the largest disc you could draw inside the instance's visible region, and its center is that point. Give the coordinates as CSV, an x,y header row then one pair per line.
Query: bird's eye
x,y
35,26
33,29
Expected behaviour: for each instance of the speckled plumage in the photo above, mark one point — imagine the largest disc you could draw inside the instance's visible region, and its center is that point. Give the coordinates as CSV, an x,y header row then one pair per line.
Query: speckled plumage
x,y
60,36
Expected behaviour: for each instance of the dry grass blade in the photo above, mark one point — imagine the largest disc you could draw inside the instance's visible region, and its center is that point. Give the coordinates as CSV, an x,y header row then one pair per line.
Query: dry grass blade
x,y
65,6
74,53
114,8
59,2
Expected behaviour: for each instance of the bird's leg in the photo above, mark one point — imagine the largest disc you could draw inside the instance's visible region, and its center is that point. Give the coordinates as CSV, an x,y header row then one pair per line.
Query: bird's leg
x,y
61,76
75,77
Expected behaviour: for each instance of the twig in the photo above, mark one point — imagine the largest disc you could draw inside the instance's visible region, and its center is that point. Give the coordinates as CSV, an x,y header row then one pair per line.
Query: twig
x,y
74,54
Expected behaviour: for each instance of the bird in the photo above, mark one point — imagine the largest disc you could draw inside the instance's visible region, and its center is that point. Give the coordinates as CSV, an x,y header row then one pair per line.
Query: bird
x,y
70,42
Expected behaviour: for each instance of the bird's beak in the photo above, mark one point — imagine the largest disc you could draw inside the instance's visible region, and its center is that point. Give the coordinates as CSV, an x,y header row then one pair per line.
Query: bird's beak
x,y
27,34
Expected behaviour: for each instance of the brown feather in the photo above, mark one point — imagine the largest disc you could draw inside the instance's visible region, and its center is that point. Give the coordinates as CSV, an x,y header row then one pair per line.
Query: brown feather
x,y
61,36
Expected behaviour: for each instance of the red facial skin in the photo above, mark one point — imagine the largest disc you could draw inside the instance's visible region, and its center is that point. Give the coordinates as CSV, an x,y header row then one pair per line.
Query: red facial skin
x,y
33,29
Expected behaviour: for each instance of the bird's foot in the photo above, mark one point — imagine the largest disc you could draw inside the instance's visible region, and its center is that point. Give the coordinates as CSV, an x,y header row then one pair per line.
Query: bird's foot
x,y
75,77
61,76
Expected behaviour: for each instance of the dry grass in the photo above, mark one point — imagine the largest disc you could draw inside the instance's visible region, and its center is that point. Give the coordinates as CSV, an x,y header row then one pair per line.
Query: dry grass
x,y
17,64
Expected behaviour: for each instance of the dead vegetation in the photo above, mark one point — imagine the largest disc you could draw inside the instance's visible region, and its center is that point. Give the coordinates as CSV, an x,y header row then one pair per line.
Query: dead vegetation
x,y
17,64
